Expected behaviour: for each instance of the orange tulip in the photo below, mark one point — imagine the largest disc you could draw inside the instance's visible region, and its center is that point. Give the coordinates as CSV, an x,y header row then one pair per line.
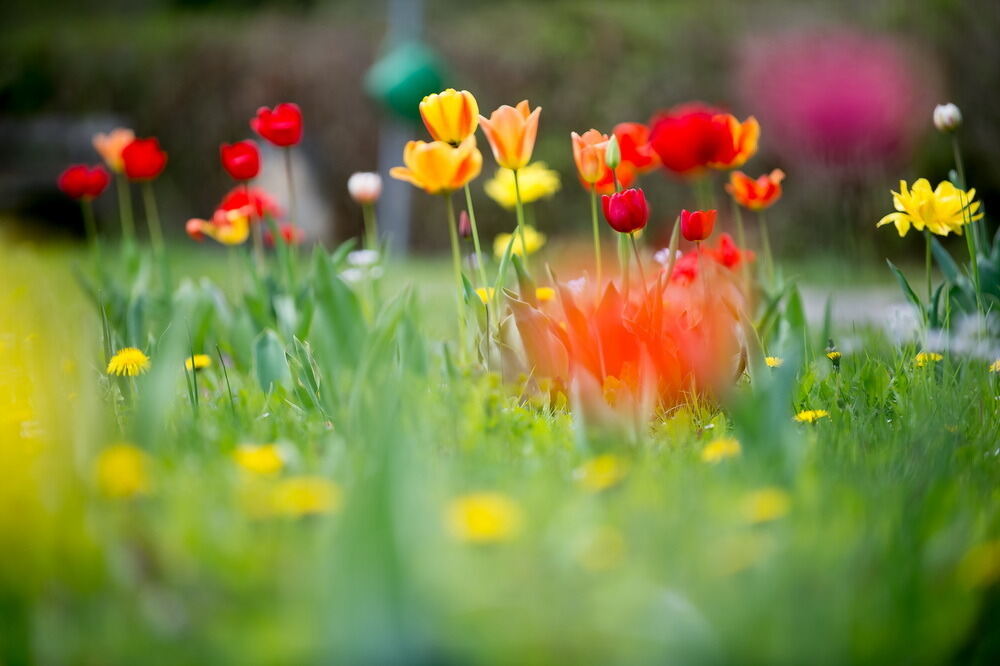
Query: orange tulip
x,y
755,194
744,136
438,167
588,153
111,145
511,132
450,115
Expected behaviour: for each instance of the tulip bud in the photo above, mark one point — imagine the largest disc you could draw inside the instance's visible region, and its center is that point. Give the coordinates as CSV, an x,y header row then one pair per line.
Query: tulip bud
x,y
947,117
365,187
464,226
613,153
697,225
626,211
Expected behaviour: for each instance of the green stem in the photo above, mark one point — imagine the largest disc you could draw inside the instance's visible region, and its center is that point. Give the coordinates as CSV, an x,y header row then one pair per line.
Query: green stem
x,y
927,266
597,233
456,264
291,186
520,223
972,228
152,218
742,240
765,243
371,226
89,225
638,261
125,208
475,237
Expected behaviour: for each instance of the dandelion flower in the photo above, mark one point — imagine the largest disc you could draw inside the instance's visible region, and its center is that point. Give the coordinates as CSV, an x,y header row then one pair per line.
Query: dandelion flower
x,y
811,415
263,459
926,358
197,362
720,449
128,362
122,471
485,517
304,496
834,355
601,473
765,505
995,366
544,294
774,361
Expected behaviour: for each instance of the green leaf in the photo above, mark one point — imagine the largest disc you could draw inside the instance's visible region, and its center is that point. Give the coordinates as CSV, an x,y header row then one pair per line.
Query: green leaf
x,y
270,364
905,286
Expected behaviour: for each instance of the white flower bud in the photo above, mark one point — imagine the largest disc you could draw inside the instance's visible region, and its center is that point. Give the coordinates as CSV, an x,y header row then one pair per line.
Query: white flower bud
x,y
365,187
947,117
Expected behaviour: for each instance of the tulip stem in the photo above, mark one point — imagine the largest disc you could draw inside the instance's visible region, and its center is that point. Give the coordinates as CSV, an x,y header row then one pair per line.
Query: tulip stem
x,y
742,240
89,225
256,230
125,208
475,237
291,186
456,261
638,261
371,225
927,267
597,233
765,244
972,228
152,218
520,223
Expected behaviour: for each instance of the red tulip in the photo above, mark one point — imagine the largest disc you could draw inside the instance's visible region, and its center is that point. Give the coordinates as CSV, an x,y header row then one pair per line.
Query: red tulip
x,y
692,137
82,182
282,126
242,196
241,159
289,232
697,225
626,211
144,159
633,139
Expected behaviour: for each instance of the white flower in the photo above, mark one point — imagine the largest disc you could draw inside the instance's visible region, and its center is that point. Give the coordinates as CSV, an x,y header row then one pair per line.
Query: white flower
x,y
352,275
662,257
365,187
947,117
578,285
362,257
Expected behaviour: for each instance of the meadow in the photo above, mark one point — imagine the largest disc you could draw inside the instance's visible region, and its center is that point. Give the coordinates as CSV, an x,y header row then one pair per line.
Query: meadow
x,y
303,454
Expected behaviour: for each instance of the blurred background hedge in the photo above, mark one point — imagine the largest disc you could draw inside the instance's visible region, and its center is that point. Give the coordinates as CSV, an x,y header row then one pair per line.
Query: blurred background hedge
x,y
193,71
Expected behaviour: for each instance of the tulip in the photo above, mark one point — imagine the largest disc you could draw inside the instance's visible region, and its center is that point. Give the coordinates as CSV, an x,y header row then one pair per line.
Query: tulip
x,y
588,153
947,117
697,225
437,167
534,182
241,159
229,227
464,226
143,159
364,187
82,182
450,116
511,133
290,234
626,211
692,137
282,126
633,141
111,145
241,197
755,194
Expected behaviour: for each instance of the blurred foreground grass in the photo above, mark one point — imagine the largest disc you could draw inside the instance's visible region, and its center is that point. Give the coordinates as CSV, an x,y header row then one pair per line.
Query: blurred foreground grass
x,y
869,536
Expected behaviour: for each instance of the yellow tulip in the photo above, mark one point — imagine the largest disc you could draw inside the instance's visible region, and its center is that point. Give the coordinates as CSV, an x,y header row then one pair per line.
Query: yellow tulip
x,y
450,115
438,167
941,211
511,132
533,239
535,180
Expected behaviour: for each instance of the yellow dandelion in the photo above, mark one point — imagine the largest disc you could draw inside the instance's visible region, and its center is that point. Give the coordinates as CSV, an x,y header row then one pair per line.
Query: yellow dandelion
x,y
128,362
544,294
484,517
995,366
533,240
926,358
720,449
305,495
197,362
263,459
833,355
773,361
122,471
765,505
601,473
811,415
485,294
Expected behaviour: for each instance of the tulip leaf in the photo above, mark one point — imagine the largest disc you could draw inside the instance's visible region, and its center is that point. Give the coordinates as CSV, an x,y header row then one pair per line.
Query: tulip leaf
x,y
905,286
270,364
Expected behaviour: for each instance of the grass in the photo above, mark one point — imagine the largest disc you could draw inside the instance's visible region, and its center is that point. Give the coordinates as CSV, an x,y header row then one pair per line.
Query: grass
x,y
869,536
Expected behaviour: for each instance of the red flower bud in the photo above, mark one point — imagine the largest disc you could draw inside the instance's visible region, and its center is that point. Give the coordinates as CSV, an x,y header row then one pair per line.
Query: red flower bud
x,y
241,159
82,182
143,159
464,225
282,126
289,232
697,225
626,211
